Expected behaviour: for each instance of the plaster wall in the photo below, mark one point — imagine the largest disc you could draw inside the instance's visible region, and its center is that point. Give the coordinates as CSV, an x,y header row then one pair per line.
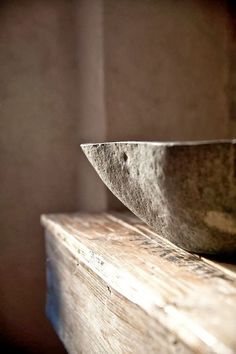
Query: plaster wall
x,y
166,69
38,149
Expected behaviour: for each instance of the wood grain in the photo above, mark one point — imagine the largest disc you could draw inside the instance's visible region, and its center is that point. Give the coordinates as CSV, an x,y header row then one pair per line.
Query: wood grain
x,y
114,287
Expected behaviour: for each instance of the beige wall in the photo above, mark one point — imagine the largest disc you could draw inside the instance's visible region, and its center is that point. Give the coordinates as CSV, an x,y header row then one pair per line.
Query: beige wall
x,y
38,148
166,69
92,70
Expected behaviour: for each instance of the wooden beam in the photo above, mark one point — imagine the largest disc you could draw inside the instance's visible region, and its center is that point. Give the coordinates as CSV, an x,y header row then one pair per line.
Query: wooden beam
x,y
113,288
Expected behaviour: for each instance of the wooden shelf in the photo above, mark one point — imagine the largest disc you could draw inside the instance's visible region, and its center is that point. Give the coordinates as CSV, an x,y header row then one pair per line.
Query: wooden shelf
x,y
114,286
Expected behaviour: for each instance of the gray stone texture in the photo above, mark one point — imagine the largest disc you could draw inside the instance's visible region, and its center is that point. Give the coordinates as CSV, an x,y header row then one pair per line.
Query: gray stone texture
x,y
185,192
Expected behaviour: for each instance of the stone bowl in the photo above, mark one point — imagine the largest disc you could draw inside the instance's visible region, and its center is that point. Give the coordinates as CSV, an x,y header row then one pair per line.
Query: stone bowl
x,y
186,191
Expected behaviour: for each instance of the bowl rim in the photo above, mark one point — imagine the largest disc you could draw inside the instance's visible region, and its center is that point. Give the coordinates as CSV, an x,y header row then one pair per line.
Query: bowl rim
x,y
164,143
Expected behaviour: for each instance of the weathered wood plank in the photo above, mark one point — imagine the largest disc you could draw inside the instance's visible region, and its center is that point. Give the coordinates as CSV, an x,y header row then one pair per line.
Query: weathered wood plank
x,y
91,317
114,288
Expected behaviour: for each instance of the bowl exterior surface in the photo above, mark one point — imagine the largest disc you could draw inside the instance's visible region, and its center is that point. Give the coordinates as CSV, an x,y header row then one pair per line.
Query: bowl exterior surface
x,y
186,193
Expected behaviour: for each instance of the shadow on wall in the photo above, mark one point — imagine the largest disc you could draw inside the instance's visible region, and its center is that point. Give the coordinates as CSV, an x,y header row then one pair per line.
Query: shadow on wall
x,y
38,153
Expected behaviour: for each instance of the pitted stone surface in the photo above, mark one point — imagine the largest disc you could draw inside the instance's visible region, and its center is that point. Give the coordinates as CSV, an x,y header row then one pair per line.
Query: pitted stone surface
x,y
185,191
